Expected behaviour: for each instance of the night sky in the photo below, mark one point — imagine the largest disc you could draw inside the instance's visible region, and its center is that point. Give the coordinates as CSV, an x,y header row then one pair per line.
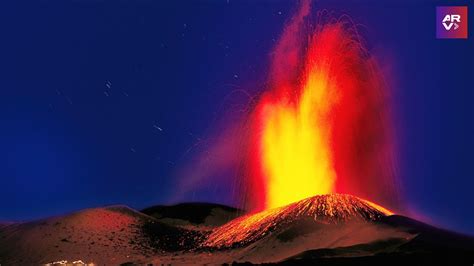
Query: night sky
x,y
101,101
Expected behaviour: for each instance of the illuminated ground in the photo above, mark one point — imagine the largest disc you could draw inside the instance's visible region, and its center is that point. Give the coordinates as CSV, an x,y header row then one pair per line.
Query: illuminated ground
x,y
329,228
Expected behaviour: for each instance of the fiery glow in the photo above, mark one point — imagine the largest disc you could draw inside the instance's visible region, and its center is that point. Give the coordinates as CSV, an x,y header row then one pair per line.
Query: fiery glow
x,y
321,126
325,209
295,143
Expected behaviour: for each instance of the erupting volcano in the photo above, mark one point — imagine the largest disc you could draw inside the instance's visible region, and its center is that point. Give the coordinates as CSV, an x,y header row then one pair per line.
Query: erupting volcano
x,y
315,159
327,209
322,126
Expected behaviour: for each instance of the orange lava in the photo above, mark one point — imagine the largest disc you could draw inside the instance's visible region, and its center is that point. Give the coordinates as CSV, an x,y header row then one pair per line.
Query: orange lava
x,y
296,154
327,209
321,127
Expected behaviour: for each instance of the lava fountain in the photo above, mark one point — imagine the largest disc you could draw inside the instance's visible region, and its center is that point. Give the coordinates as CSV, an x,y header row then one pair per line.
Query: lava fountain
x,y
322,126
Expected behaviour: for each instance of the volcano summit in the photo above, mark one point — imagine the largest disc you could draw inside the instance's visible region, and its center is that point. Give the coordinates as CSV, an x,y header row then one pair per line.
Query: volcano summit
x,y
322,209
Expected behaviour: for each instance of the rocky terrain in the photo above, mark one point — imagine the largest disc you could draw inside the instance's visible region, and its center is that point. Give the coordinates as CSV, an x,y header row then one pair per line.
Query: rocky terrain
x,y
327,229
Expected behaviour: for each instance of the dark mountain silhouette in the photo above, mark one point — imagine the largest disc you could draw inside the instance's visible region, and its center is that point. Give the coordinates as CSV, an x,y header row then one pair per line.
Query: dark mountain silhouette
x,y
197,215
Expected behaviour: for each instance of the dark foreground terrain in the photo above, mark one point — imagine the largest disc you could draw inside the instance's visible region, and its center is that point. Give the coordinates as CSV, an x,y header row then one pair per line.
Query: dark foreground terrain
x,y
323,230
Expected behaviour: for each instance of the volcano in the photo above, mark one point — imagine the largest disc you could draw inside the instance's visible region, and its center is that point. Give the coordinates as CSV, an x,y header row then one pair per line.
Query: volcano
x,y
327,210
329,229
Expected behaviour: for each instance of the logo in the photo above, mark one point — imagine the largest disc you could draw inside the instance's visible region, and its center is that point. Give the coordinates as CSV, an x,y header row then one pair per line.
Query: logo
x,y
453,19
451,22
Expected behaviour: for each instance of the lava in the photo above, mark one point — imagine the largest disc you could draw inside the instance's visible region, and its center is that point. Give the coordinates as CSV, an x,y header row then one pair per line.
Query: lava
x,y
322,126
327,209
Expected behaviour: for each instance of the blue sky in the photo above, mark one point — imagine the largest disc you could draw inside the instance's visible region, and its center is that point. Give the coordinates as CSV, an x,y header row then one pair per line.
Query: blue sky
x,y
85,85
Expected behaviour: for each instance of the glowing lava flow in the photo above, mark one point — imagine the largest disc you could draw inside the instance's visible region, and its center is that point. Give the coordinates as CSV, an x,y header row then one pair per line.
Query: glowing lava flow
x,y
322,209
321,127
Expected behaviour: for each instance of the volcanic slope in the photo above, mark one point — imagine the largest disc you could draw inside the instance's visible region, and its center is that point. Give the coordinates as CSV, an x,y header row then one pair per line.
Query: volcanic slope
x,y
323,221
332,229
324,209
108,235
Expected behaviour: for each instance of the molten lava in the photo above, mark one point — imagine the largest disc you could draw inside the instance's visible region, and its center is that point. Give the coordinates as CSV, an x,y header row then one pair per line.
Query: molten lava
x,y
321,127
323,209
295,141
